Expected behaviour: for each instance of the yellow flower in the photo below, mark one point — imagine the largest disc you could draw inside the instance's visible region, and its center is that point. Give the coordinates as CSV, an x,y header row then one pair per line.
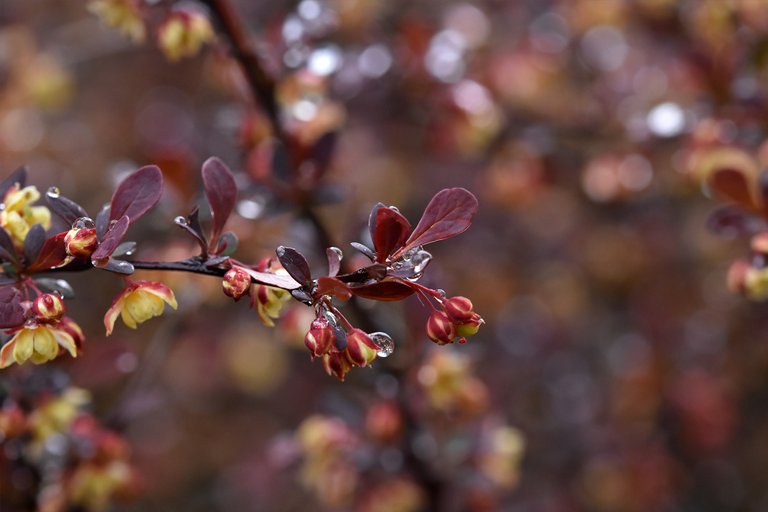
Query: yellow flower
x,y
123,15
269,301
18,215
183,33
37,343
139,302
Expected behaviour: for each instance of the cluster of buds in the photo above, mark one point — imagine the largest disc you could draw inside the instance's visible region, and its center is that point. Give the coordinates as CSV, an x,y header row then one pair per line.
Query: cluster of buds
x,y
456,320
45,334
340,350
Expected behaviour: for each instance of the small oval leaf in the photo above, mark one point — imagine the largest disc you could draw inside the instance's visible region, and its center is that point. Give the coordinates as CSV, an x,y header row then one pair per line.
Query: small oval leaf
x,y
137,193
295,264
221,192
449,213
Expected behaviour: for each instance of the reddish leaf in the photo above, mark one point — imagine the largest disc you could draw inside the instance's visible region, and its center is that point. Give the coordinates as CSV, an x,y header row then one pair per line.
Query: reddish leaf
x,y
448,214
391,231
731,185
221,191
384,291
295,264
278,281
52,254
137,193
332,286
112,239
11,311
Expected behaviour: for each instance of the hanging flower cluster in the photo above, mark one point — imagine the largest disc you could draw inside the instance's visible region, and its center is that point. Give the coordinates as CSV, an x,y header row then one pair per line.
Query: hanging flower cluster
x,y
32,308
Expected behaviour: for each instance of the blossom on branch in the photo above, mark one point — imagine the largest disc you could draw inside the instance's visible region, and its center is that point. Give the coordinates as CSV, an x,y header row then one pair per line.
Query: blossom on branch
x,y
138,302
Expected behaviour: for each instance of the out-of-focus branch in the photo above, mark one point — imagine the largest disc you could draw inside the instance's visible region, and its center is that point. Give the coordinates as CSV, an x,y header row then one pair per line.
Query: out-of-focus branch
x,y
261,83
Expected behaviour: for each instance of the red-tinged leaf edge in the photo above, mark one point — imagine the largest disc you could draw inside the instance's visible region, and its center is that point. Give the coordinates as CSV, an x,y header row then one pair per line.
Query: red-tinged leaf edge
x,y
449,213
391,231
112,239
137,193
731,185
18,176
278,281
11,310
332,286
221,192
51,255
68,210
295,264
383,291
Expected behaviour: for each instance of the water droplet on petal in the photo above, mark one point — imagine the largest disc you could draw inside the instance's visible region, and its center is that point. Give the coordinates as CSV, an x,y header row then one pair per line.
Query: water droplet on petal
x,y
112,223
83,223
384,342
53,192
181,220
394,208
441,292
337,251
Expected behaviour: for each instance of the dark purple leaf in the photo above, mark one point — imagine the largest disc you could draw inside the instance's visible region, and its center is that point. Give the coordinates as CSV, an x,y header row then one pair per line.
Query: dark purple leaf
x,y
383,291
193,228
102,222
333,286
213,262
334,260
33,242
11,311
7,250
448,214
375,272
284,282
731,185
221,191
59,286
67,209
295,264
52,254
112,239
391,231
732,221
301,295
118,267
365,250
340,337
139,192
18,176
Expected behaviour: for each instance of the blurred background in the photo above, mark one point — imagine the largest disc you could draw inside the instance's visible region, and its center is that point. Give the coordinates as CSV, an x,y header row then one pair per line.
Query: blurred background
x,y
615,372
